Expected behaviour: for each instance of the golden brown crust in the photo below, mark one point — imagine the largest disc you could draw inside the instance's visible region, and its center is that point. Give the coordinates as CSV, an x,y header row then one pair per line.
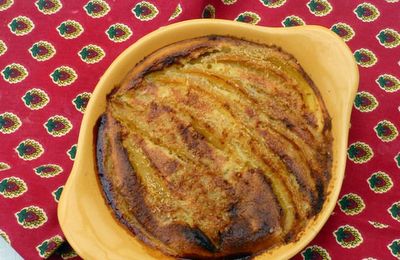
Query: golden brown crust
x,y
215,147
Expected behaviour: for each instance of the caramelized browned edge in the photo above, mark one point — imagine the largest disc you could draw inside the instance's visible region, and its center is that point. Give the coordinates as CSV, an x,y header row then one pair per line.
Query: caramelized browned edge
x,y
158,60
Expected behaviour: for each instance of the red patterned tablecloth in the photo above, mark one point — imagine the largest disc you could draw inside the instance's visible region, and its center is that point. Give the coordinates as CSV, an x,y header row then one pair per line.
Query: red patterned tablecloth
x,y
53,52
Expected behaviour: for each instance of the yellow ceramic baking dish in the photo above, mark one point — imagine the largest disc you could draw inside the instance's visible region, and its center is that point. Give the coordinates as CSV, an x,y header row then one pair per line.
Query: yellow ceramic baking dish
x,y
85,218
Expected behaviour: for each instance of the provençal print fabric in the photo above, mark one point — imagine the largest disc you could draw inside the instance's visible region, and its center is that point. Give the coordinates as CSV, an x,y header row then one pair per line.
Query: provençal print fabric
x,y
53,52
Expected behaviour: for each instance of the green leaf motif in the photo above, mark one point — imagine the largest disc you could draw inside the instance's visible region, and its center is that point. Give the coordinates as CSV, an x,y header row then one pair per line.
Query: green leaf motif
x,y
89,7
360,11
345,202
21,215
62,28
381,129
21,149
358,100
111,32
145,11
84,53
72,152
374,180
2,122
395,211
79,102
50,125
386,131
7,72
14,25
57,193
138,10
353,151
335,29
241,18
340,234
43,248
41,4
56,75
315,252
380,182
3,185
35,50
40,169
358,56
313,5
308,254
382,37
382,82
28,98
287,23
395,248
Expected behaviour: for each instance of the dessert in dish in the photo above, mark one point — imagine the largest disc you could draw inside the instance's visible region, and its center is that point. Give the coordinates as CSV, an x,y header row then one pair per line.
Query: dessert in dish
x,y
215,147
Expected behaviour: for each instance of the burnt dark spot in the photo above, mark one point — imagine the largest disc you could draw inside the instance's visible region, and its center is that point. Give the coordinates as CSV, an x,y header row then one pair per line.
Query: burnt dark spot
x,y
295,169
288,237
233,210
310,119
209,127
327,172
250,112
239,256
213,37
197,236
264,229
192,98
101,147
319,201
169,60
170,167
327,124
156,110
288,123
112,92
237,233
190,136
195,141
98,136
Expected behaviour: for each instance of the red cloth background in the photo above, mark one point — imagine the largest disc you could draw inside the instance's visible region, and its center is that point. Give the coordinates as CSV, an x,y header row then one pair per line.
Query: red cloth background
x,y
378,240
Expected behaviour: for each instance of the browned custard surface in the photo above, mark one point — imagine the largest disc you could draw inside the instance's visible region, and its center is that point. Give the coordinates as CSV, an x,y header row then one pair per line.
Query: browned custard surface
x,y
215,147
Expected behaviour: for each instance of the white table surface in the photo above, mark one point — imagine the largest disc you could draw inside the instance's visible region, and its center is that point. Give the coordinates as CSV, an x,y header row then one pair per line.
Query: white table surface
x,y
7,252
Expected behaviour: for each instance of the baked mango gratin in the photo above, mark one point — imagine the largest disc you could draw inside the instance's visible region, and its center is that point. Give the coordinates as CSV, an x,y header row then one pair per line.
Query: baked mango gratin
x,y
215,147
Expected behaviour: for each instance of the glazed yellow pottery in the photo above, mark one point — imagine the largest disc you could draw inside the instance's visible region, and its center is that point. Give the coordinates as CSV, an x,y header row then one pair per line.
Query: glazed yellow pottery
x,y
85,218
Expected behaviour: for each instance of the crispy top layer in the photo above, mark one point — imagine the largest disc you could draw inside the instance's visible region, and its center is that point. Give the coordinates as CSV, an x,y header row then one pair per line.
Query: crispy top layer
x,y
215,147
